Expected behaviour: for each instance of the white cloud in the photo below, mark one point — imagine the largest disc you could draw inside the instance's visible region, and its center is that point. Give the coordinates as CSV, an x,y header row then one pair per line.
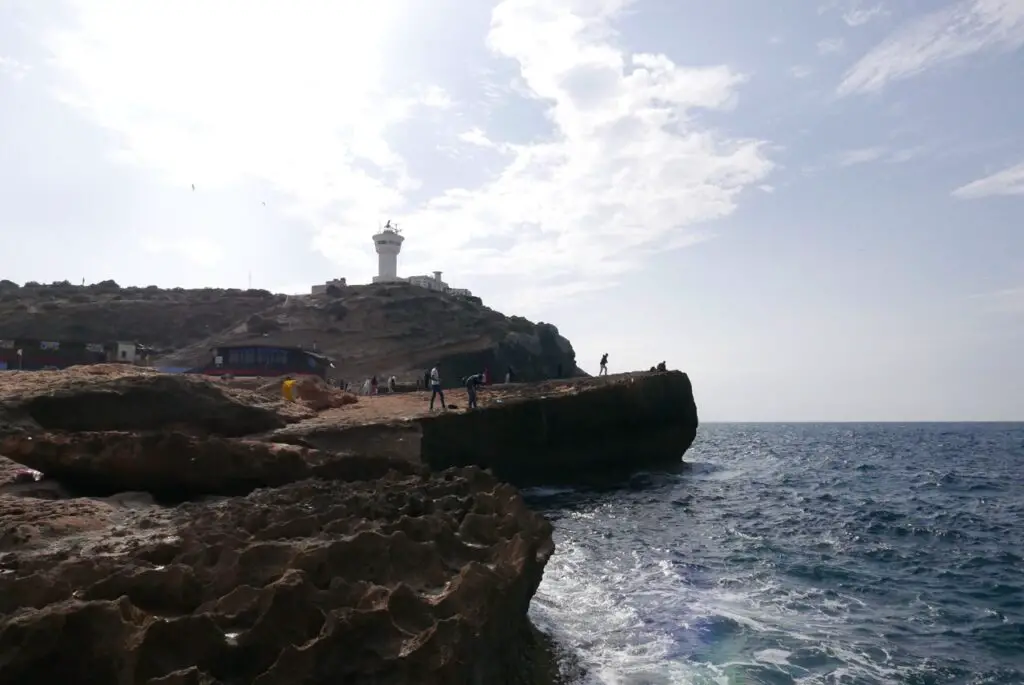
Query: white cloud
x,y
860,156
907,154
858,16
1007,301
475,136
13,68
800,72
625,170
966,28
293,99
831,46
1006,182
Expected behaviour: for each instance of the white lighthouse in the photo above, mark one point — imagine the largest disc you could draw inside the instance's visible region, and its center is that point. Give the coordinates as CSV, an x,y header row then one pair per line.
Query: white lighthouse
x,y
388,243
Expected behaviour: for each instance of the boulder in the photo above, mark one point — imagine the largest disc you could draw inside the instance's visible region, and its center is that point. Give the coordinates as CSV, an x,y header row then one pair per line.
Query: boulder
x,y
119,398
317,395
406,579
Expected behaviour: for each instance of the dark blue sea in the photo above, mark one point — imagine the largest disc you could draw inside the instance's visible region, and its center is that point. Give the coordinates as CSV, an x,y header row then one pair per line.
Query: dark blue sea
x,y
830,553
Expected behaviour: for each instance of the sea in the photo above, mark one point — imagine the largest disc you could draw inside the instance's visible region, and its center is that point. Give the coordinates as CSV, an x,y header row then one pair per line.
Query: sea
x,y
849,554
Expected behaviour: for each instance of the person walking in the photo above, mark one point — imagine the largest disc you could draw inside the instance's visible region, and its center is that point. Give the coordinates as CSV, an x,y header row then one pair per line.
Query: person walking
x,y
604,365
435,388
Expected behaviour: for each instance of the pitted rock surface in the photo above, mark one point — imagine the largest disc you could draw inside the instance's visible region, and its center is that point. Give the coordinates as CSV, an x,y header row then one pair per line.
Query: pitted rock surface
x,y
403,579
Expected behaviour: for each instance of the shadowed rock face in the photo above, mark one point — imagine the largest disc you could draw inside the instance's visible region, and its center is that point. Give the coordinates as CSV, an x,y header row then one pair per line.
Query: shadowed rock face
x,y
568,433
395,580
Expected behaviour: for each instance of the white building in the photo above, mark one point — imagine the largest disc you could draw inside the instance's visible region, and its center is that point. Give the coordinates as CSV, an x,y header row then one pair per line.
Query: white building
x,y
388,243
429,282
322,288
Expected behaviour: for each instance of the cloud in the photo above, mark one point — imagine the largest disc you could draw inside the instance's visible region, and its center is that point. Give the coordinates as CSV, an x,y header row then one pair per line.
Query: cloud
x,y
858,16
297,103
800,72
1007,301
907,154
475,136
624,171
831,46
860,156
966,28
1009,181
13,68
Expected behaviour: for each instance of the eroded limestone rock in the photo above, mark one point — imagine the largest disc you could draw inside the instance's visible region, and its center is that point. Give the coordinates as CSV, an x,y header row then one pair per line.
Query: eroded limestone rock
x,y
406,579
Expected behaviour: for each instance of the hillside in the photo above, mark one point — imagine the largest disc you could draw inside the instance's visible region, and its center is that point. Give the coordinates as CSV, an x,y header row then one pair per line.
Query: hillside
x,y
382,329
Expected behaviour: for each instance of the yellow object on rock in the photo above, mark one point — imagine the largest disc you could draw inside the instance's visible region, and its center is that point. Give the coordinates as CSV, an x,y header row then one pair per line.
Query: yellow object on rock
x,y
288,390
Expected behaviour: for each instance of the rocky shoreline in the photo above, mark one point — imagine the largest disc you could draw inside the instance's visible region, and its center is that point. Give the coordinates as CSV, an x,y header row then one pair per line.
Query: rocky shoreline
x,y
175,539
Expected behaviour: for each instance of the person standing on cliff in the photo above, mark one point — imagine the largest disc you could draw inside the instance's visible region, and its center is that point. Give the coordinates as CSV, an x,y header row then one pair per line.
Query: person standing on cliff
x,y
604,365
472,382
435,389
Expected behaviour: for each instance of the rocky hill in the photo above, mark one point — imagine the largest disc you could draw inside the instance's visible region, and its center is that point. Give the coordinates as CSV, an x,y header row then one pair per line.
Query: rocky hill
x,y
384,329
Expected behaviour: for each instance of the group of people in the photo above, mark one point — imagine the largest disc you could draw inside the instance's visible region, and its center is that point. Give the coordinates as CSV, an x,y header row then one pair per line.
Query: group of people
x,y
432,379
371,386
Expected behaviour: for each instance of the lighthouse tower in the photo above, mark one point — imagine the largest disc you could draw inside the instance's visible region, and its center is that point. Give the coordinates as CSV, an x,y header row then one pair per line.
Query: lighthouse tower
x,y
388,243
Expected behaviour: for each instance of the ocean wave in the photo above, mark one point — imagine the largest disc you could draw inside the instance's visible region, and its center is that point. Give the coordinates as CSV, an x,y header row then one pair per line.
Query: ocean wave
x,y
799,554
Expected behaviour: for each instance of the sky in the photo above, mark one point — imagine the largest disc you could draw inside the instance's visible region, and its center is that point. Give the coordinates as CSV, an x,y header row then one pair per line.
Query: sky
x,y
813,207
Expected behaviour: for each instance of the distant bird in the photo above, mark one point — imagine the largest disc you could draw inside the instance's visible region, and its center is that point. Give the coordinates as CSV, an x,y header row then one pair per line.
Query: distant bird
x,y
264,204
193,186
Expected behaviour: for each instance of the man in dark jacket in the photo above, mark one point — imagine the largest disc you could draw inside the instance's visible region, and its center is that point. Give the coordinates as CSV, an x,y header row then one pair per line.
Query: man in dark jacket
x,y
472,382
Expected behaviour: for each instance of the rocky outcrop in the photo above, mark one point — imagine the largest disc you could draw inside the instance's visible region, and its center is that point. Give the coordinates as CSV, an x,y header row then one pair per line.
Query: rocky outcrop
x,y
381,329
358,553
278,564
547,432
107,429
557,431
571,432
112,398
394,580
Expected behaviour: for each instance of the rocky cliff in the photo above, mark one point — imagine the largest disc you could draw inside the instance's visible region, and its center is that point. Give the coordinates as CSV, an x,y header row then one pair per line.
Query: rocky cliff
x,y
177,529
374,329
352,569
553,431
